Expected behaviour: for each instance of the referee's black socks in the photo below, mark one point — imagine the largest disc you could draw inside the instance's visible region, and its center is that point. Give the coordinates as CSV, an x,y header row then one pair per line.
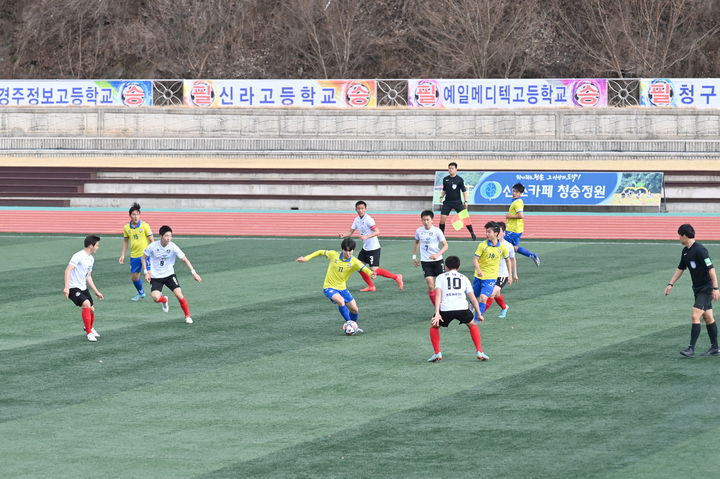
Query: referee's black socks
x,y
694,334
712,332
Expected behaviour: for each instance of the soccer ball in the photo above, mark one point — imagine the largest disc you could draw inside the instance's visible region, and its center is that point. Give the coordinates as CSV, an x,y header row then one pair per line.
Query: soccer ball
x,y
350,327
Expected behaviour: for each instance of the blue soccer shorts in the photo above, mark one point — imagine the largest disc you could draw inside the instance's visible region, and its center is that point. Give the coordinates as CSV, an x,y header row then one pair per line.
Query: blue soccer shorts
x,y
136,265
483,287
345,293
513,238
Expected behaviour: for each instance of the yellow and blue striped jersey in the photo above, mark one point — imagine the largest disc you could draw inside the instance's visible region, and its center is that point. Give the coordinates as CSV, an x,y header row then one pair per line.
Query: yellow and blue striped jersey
x,y
339,269
489,257
518,224
138,237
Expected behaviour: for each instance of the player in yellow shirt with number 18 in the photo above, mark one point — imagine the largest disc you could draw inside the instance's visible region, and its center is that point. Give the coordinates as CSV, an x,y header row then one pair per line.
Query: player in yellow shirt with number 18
x,y
138,235
487,259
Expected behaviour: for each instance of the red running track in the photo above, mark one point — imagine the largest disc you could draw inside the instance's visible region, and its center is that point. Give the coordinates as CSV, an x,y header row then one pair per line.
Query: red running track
x,y
81,222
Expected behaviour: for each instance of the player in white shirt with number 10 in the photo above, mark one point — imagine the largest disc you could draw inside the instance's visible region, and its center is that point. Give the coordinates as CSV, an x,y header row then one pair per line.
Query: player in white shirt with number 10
x,y
452,291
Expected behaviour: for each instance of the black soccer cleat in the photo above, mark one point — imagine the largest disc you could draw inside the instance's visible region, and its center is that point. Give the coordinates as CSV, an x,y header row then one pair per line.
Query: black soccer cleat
x,y
713,351
688,353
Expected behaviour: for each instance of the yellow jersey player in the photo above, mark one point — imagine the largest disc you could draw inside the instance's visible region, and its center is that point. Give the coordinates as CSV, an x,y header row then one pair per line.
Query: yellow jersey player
x,y
341,266
138,235
486,261
516,223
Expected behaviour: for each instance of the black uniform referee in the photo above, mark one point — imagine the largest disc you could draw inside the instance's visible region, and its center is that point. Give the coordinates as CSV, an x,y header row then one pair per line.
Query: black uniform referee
x,y
453,187
704,284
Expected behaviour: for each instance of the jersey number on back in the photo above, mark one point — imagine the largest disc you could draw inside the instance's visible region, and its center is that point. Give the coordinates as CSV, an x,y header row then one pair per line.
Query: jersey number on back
x,y
454,283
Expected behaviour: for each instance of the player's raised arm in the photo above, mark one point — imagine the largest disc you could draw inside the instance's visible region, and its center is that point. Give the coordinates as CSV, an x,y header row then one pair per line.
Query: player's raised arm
x,y
195,276
350,232
314,254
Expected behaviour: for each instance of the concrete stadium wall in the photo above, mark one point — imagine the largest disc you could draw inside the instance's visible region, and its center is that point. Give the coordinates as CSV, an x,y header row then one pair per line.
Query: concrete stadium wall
x,y
557,124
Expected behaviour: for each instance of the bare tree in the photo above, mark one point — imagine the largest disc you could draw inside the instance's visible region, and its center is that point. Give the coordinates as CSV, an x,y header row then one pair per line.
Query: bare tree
x,y
329,38
476,38
640,37
212,38
76,38
354,38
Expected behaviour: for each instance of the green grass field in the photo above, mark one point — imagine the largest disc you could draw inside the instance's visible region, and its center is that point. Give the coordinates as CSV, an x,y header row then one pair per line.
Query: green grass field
x,y
585,378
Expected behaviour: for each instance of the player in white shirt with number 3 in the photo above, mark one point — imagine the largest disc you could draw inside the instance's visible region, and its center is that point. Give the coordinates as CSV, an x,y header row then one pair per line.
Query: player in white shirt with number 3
x,y
78,275
452,292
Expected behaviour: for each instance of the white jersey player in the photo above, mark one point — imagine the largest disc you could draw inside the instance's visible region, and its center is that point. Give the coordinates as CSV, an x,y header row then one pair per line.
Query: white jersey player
x,y
370,252
162,255
453,290
78,275
431,243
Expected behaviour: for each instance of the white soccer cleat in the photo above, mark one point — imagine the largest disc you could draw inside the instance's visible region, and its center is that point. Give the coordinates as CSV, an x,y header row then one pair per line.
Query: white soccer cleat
x,y
435,358
482,356
165,305
94,333
91,337
188,320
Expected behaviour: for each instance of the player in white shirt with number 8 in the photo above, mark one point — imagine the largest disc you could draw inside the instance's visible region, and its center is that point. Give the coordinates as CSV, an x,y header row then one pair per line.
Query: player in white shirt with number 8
x,y
452,292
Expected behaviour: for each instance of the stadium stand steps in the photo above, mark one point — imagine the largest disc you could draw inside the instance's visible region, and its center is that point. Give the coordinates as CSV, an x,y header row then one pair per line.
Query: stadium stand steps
x,y
357,147
197,188
307,189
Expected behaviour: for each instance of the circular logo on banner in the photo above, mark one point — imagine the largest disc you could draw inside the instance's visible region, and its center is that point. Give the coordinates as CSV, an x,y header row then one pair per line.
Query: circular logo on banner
x,y
202,93
357,94
427,93
132,94
586,93
490,190
660,92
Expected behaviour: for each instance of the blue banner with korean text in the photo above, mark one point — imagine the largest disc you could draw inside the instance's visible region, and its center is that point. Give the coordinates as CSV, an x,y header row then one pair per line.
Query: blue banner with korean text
x,y
130,93
561,188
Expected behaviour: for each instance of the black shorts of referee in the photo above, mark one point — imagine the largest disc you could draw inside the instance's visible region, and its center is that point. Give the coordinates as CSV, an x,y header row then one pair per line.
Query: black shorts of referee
x,y
448,206
703,299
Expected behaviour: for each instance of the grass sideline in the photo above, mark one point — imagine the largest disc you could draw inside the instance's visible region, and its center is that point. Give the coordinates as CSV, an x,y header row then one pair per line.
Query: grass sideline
x,y
584,381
